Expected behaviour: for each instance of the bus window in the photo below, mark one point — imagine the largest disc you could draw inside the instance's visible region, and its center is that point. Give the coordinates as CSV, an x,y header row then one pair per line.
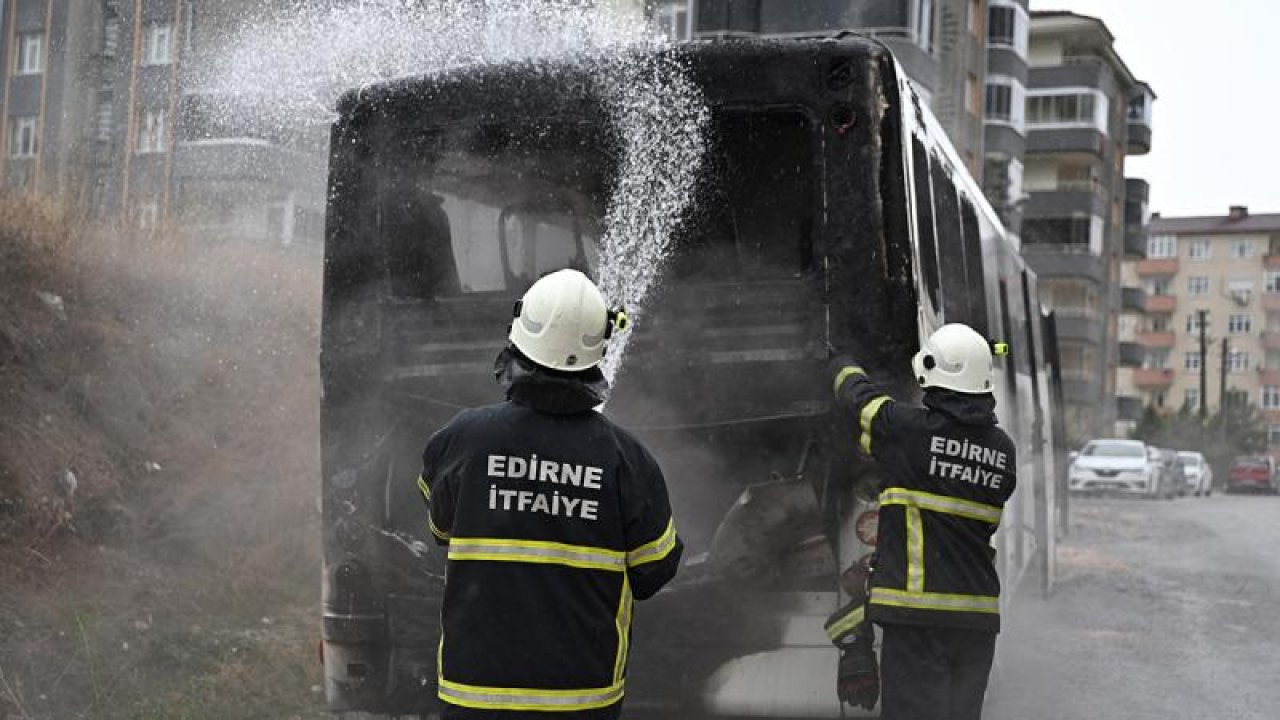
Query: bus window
x,y
536,242
955,306
752,215
975,279
924,221
490,208
418,242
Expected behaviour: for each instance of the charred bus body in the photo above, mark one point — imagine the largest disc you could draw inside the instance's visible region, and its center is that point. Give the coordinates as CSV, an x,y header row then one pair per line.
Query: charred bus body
x,y
830,211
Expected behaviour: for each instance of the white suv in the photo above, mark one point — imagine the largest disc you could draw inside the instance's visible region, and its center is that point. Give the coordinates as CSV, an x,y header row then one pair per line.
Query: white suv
x,y
1198,474
1117,465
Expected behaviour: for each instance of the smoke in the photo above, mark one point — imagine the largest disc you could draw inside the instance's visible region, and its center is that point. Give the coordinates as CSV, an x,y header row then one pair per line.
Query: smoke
x,y
289,72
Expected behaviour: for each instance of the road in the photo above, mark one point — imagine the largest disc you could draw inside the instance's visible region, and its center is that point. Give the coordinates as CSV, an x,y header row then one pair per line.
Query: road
x,y
1163,610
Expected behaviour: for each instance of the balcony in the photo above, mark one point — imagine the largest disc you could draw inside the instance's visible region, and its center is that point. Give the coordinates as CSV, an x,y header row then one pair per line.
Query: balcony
x,y
1080,327
1152,378
1066,200
1135,242
1077,73
1269,377
1133,299
1053,260
1052,140
1080,388
1128,408
1157,266
245,159
1161,303
1139,139
1271,339
1271,261
1157,339
1271,302
1132,354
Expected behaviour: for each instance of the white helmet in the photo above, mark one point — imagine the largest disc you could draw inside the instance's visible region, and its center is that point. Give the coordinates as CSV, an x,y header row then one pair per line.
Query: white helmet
x,y
955,357
562,322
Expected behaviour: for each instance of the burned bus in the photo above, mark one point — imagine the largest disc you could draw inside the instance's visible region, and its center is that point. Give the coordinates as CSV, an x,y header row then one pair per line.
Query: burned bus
x,y
829,211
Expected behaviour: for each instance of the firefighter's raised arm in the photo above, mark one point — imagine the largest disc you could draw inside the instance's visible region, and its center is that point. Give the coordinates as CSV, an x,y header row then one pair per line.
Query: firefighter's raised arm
x,y
862,401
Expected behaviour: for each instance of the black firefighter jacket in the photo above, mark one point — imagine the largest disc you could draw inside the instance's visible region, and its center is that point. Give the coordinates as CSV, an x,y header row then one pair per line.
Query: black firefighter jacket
x,y
556,519
948,470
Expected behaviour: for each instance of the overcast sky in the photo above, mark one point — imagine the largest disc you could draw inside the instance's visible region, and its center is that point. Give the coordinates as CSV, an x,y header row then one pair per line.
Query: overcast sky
x,y
1215,69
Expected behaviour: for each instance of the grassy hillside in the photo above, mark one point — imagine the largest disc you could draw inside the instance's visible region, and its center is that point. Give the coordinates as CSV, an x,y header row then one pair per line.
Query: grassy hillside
x,y
158,473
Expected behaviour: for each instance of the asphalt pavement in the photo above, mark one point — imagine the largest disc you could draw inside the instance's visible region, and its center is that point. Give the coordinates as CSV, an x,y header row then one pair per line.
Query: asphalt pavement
x,y
1163,610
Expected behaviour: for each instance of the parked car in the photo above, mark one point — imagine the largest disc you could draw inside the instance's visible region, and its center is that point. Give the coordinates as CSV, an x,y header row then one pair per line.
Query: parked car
x,y
1171,483
1253,473
1115,465
1196,472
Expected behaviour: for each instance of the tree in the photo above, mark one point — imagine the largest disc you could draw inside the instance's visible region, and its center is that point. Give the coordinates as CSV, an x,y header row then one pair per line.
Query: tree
x,y
1237,429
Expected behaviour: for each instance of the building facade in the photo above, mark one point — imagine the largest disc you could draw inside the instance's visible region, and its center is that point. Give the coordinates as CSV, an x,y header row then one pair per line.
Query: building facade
x,y
941,45
1225,271
99,108
1005,131
1075,221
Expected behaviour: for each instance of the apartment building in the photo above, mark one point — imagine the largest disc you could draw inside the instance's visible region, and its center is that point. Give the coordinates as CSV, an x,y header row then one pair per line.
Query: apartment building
x,y
1228,268
941,45
98,107
1085,113
1005,130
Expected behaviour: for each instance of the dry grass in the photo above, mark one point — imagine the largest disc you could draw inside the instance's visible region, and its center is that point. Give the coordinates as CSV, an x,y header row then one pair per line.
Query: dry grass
x,y
166,353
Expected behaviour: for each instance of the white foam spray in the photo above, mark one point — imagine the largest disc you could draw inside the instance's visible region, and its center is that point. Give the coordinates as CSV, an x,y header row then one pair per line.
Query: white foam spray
x,y
291,69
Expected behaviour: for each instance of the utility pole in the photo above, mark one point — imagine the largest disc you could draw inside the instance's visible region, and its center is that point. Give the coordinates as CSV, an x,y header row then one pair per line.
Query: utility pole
x,y
1222,389
1202,316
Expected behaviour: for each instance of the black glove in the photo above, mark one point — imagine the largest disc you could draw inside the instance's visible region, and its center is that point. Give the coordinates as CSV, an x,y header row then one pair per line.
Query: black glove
x,y
858,674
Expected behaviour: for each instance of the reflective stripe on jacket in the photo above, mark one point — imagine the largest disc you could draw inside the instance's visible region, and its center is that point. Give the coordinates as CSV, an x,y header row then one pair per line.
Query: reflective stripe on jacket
x,y
948,470
555,524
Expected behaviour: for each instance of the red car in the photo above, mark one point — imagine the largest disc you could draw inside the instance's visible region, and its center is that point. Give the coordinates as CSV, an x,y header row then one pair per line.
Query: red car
x,y
1255,474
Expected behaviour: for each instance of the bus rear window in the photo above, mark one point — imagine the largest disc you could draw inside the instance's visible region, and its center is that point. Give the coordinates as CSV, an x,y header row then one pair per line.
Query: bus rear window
x,y
489,208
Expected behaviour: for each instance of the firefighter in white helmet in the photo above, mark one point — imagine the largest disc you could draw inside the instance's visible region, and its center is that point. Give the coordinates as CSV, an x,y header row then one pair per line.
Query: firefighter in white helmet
x,y
555,519
948,470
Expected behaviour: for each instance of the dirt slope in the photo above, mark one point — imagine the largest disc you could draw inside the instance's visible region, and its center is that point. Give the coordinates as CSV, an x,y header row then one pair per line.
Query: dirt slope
x,y
158,465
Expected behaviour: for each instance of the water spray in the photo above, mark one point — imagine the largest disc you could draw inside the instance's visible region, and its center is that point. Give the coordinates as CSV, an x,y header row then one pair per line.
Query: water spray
x,y
291,71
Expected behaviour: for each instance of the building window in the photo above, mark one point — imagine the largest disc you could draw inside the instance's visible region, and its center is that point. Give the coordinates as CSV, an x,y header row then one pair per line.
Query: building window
x,y
1273,435
1241,249
673,20
924,24
1157,359
1198,285
1271,397
1158,285
1162,246
1240,323
1271,281
973,94
1161,322
1237,361
1191,399
1008,26
1199,250
1193,322
1080,109
30,54
1240,290
1191,361
1006,101
157,44
24,141
152,132
148,214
